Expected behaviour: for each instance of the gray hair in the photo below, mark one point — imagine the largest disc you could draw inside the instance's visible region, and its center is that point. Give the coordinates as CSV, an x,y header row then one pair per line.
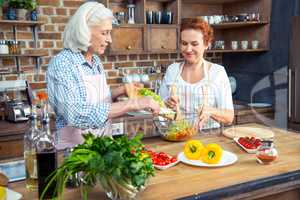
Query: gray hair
x,y
77,34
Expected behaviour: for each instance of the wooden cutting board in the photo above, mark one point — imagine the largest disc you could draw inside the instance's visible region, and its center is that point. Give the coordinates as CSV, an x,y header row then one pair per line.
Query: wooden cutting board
x,y
244,131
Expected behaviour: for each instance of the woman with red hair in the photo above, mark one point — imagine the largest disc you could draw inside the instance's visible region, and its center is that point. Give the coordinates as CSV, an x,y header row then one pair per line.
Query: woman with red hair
x,y
197,87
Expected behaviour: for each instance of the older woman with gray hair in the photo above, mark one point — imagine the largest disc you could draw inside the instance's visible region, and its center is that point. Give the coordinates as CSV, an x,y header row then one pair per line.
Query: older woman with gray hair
x,y
76,81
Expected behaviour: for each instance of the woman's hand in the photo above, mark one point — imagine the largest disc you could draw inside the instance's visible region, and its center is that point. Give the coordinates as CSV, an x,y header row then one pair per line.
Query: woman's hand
x,y
145,103
131,89
204,113
172,102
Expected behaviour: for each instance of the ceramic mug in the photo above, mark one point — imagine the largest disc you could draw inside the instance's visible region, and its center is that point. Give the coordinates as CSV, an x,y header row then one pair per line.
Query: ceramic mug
x,y
244,44
254,44
234,45
205,18
167,17
157,17
150,17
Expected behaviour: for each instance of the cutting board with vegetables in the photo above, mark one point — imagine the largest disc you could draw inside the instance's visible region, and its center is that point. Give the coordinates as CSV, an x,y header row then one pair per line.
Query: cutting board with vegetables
x,y
247,131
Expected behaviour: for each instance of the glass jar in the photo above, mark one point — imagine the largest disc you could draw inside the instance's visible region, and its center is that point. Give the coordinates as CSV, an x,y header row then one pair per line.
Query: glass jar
x,y
14,47
266,153
3,47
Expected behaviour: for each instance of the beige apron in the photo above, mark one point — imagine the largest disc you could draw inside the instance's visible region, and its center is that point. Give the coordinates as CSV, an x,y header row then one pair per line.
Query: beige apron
x,y
97,92
193,96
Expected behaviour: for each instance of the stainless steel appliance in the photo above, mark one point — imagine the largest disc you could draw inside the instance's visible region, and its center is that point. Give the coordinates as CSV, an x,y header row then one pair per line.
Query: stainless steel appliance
x,y
16,99
294,76
17,111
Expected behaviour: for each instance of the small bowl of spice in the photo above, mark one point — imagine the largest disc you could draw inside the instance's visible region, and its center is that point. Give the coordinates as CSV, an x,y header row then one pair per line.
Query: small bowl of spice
x,y
266,153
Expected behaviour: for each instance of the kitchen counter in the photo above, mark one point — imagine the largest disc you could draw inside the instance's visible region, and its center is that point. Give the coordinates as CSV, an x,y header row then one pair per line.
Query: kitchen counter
x,y
246,179
11,134
241,110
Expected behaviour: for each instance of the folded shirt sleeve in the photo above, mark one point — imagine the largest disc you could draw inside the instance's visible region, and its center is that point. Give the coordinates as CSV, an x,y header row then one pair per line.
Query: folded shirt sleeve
x,y
67,96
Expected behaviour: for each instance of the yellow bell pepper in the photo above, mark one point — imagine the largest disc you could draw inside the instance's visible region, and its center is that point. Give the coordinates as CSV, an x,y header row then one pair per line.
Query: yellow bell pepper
x,y
2,193
212,153
193,149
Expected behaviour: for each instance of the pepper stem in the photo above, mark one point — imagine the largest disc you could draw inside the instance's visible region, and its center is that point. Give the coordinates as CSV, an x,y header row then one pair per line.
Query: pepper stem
x,y
211,154
193,149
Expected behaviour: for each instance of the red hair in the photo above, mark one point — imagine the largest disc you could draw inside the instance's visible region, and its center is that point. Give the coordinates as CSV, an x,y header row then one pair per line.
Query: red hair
x,y
198,24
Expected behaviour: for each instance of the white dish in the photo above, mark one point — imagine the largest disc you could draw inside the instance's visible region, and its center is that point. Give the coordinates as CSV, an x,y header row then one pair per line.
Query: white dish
x,y
228,158
163,167
232,82
259,105
236,139
12,195
14,170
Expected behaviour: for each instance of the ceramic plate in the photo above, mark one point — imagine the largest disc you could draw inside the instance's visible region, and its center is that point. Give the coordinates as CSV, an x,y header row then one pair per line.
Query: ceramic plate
x,y
14,170
228,158
12,195
163,167
259,105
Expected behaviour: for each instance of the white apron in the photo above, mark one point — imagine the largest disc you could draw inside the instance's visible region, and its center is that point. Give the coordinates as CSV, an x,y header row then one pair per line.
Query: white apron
x,y
97,92
193,96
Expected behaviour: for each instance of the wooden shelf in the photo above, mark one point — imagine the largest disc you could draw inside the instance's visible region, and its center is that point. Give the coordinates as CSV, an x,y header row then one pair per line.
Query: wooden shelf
x,y
23,55
21,23
130,26
212,1
235,51
163,25
162,1
237,24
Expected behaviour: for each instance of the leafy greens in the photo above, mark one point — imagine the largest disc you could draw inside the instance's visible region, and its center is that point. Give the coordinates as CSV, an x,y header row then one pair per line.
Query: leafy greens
x,y
118,164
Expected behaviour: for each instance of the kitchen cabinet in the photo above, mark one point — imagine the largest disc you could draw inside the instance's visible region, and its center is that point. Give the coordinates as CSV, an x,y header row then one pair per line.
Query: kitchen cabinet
x,y
294,76
164,38
127,39
244,30
141,37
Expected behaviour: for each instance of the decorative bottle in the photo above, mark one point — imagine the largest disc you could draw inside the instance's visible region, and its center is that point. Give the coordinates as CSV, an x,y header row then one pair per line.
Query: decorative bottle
x,y
30,151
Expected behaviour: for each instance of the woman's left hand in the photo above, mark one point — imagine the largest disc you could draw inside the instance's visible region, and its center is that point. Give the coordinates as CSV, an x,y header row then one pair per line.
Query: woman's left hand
x,y
131,89
204,113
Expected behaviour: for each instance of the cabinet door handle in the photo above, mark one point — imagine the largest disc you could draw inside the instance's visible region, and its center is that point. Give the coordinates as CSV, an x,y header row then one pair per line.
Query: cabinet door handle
x,y
128,47
163,47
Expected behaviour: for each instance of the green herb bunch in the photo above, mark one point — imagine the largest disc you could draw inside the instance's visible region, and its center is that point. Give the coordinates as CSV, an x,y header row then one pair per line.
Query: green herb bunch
x,y
119,165
148,92
23,4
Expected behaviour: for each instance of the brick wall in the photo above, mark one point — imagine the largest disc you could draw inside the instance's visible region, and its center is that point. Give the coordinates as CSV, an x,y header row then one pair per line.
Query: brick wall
x,y
55,14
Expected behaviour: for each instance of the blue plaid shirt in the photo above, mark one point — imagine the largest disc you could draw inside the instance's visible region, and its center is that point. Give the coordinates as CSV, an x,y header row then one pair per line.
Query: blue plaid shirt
x,y
67,93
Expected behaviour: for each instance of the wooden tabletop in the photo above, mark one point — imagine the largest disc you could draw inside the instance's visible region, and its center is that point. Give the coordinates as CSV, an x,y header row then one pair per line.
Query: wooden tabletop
x,y
189,181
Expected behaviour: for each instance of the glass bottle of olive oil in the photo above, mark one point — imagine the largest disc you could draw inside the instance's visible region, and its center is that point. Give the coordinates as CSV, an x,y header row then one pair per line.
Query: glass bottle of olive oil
x,y
30,152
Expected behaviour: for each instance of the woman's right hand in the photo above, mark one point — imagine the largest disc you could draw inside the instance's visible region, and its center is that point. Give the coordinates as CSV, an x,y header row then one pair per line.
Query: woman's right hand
x,y
172,102
146,103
